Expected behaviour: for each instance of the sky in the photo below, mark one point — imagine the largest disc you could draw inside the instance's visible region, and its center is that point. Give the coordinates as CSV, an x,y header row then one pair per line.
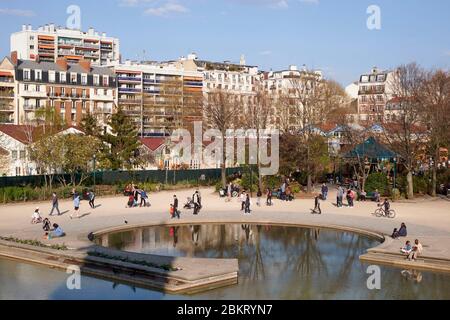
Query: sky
x,y
331,35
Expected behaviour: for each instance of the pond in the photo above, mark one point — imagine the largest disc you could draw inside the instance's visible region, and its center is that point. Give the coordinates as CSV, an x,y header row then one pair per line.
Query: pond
x,y
274,263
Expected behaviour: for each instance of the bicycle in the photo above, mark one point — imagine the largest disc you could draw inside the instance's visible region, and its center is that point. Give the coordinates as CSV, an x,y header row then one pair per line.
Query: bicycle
x,y
380,212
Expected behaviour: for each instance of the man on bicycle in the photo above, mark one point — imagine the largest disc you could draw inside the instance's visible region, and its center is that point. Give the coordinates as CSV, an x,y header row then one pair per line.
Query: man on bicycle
x,y
386,206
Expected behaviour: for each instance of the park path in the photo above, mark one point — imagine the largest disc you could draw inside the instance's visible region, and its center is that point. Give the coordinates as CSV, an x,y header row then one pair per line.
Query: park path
x,y
427,220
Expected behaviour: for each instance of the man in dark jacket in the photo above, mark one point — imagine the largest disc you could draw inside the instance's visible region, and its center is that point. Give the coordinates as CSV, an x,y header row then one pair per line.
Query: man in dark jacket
x,y
176,213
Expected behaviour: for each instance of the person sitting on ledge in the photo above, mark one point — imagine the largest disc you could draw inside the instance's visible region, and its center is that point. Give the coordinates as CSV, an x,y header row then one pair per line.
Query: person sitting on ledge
x,y
417,250
406,248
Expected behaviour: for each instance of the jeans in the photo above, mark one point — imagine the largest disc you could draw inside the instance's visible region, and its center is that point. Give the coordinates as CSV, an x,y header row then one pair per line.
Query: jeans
x,y
55,206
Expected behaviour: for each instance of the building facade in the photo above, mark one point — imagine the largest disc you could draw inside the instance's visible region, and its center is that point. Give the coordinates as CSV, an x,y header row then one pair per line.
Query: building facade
x,y
159,97
7,92
68,90
50,42
374,92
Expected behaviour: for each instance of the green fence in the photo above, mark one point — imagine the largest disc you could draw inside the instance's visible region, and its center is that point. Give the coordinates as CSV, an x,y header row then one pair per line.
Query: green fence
x,y
115,177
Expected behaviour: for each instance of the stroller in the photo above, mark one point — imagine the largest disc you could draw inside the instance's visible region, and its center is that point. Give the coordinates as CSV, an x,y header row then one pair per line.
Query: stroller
x,y
189,204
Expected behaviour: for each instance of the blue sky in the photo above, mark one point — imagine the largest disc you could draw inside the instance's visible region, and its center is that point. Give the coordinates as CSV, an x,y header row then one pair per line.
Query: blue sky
x,y
328,34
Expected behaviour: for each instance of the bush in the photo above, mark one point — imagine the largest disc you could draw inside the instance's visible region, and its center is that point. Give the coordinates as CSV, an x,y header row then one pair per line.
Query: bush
x,y
421,185
395,193
378,181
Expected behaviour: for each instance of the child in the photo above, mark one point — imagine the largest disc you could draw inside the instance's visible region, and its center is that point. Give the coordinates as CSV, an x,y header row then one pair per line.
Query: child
x,y
172,211
130,201
36,217
407,248
46,225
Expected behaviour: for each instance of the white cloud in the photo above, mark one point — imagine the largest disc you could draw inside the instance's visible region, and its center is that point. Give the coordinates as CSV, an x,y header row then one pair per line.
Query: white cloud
x,y
265,53
309,1
17,12
166,9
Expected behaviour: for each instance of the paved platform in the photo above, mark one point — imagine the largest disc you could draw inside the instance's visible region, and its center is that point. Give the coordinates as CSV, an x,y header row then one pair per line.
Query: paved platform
x,y
427,219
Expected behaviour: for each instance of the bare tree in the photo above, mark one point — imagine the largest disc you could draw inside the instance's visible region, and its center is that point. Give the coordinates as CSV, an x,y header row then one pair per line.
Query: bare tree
x,y
257,114
220,112
312,102
436,103
407,136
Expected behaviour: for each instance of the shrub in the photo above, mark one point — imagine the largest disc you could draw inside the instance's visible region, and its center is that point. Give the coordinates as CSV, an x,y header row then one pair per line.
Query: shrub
x,y
395,193
376,181
420,184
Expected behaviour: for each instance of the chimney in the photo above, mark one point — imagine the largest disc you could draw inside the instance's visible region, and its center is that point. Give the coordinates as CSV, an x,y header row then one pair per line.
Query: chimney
x,y
24,27
62,63
85,64
14,58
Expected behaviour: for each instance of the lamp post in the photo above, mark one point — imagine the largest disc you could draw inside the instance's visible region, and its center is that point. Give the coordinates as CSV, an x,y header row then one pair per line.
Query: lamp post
x,y
395,172
94,160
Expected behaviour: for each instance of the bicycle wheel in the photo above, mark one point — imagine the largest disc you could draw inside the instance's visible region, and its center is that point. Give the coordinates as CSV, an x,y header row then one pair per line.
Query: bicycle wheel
x,y
379,213
392,214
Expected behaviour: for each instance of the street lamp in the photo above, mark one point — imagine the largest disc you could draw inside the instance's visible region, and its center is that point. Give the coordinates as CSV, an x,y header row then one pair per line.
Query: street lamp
x,y
395,172
94,160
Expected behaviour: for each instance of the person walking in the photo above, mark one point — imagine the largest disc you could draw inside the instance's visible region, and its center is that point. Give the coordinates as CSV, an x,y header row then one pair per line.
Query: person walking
x,y
243,199
176,212
324,192
76,203
269,197
196,200
340,195
144,198
247,204
55,204
317,205
91,199
258,197
229,190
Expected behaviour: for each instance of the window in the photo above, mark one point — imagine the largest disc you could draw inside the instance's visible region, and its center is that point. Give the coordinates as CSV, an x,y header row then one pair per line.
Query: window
x,y
32,47
96,80
63,91
14,155
26,87
62,77
73,78
22,155
52,91
84,79
364,79
26,74
84,93
38,88
105,81
38,75
51,76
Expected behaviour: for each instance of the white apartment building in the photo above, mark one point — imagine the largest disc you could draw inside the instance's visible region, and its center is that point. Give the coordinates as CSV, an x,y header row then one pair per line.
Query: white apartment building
x,y
50,42
374,92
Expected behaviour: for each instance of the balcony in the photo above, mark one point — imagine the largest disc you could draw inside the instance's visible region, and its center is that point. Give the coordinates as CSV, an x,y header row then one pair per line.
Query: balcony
x,y
129,90
6,108
102,97
129,101
34,94
29,107
6,95
125,78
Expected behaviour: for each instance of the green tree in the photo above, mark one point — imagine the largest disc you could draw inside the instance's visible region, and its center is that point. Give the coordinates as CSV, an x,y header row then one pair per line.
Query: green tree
x,y
78,153
122,143
89,125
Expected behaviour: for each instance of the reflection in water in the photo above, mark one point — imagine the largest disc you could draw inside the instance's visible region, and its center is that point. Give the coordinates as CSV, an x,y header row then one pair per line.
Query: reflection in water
x,y
282,262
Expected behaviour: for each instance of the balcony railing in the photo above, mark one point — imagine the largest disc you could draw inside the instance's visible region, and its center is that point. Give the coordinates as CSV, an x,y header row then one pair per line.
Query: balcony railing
x,y
29,107
125,78
7,79
6,107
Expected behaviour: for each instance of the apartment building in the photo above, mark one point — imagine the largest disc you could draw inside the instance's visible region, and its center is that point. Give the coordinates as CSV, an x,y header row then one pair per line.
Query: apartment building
x,y
7,90
159,97
50,42
71,90
375,90
286,87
